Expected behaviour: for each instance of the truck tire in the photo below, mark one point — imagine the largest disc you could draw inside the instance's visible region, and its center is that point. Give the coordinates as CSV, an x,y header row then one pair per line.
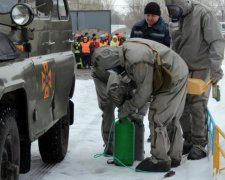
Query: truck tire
x,y
25,156
9,145
54,143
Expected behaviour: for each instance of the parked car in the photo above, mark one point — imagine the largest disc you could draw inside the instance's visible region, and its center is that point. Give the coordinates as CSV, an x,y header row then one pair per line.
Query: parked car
x,y
36,82
223,28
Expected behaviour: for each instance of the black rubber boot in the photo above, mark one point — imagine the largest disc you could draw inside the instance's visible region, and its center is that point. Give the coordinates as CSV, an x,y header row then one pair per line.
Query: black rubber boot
x,y
148,164
197,152
175,162
139,142
108,152
186,147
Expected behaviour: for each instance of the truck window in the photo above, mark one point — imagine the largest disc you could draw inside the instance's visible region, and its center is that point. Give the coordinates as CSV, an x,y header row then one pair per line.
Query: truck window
x,y
223,27
62,9
43,7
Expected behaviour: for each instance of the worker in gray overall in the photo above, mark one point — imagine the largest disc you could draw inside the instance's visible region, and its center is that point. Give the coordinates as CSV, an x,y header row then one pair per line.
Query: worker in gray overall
x,y
158,73
112,90
197,38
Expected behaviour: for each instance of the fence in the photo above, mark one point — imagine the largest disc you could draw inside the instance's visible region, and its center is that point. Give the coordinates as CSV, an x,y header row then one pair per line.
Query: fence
x,y
214,142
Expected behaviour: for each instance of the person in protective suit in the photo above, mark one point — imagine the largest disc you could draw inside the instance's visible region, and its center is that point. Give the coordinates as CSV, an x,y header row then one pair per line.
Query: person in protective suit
x,y
158,73
197,38
112,90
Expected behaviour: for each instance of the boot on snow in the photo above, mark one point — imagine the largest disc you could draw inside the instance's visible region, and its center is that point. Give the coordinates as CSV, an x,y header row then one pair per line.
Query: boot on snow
x,y
175,162
153,165
186,147
108,152
197,152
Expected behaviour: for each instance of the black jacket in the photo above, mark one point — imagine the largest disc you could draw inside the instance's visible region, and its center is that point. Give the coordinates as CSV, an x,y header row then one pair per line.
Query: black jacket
x,y
158,32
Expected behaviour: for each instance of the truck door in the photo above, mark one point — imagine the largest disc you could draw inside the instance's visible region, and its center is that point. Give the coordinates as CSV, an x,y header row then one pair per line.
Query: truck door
x,y
44,67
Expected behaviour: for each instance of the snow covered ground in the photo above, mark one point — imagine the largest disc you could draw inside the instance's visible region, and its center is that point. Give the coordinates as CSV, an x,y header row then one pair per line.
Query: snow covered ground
x,y
86,141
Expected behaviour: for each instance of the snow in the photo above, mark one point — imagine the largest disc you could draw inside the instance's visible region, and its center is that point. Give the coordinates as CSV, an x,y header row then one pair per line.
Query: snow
x,y
85,142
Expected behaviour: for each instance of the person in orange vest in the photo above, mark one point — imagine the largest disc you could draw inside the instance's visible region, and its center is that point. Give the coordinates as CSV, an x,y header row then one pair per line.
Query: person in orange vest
x,y
92,37
94,45
102,40
120,35
107,38
122,39
86,53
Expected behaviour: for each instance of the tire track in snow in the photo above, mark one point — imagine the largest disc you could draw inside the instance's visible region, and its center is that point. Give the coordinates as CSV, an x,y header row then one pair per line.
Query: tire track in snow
x,y
41,171
38,168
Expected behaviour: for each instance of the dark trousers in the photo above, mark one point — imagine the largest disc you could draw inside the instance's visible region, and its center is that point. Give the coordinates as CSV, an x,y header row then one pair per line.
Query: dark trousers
x,y
86,59
78,57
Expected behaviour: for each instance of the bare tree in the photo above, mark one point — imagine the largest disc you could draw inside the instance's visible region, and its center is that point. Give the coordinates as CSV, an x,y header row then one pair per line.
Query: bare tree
x,y
136,10
116,17
108,4
86,4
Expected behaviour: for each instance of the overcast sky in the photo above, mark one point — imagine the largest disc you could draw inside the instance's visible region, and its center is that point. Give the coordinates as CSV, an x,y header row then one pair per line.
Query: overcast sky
x,y
120,5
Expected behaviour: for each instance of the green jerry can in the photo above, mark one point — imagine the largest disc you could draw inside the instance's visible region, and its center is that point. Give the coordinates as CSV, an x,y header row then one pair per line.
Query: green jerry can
x,y
124,142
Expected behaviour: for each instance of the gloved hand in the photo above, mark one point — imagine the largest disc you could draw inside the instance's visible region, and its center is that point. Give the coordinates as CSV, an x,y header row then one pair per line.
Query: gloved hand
x,y
126,109
216,76
136,117
139,116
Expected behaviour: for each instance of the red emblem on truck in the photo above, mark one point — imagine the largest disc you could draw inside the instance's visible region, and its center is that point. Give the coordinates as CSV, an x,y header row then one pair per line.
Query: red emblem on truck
x,y
46,78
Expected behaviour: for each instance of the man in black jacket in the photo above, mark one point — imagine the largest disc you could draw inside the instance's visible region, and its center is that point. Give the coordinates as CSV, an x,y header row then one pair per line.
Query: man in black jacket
x,y
153,26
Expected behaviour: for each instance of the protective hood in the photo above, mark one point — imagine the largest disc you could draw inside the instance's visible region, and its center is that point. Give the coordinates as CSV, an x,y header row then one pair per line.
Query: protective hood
x,y
184,6
115,37
7,49
107,57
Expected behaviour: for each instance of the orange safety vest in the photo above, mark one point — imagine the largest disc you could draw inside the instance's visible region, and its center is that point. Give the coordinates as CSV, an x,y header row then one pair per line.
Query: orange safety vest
x,y
85,47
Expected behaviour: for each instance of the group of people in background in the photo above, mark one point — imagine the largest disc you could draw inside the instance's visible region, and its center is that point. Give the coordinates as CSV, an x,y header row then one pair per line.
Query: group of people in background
x,y
85,45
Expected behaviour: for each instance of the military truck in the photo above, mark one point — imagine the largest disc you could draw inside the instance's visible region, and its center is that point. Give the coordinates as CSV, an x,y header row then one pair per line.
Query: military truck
x,y
36,82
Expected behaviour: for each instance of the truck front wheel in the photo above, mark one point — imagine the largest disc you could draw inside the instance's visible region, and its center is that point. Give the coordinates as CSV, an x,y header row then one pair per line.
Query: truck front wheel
x,y
9,145
54,143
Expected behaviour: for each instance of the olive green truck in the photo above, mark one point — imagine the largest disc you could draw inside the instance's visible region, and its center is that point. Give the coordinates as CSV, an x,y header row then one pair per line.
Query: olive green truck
x,y
36,82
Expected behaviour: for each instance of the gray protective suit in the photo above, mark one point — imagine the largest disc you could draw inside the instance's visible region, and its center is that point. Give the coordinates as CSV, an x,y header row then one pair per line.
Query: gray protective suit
x,y
166,107
199,41
112,89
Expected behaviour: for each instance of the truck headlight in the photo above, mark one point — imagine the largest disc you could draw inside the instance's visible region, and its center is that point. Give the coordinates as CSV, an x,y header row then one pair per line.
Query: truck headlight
x,y
22,14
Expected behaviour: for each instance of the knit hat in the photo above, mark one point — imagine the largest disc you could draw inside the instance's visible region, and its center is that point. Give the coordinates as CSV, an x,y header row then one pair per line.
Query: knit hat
x,y
152,8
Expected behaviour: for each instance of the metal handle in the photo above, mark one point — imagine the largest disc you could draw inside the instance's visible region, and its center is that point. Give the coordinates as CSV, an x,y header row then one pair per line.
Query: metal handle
x,y
48,43
69,40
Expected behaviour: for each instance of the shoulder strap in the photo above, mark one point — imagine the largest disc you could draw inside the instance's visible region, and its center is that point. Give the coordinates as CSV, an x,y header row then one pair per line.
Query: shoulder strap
x,y
162,79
